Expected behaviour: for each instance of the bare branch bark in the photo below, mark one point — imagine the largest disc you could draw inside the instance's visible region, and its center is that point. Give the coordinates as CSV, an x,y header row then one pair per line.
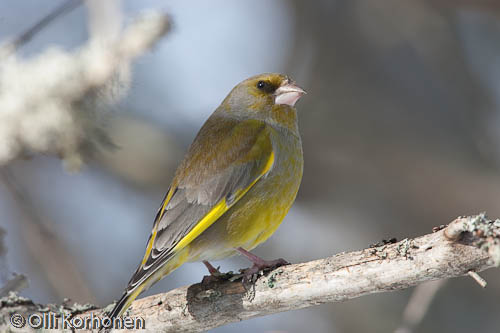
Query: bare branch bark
x,y
338,278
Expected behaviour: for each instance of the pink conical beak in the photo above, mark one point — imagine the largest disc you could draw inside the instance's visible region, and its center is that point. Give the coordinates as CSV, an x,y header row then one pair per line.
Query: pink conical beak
x,y
288,93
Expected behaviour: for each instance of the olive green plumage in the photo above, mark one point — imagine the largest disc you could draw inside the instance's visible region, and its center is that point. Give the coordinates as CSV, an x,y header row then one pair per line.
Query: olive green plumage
x,y
234,186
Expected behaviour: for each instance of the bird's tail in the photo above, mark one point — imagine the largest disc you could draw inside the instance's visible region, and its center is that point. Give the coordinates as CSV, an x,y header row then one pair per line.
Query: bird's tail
x,y
127,298
131,294
122,305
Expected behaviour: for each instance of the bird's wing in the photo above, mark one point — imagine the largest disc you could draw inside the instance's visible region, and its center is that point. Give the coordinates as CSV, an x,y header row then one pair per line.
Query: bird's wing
x,y
226,159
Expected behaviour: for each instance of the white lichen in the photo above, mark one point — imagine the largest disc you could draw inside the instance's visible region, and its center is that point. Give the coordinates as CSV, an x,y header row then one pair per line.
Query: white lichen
x,y
54,103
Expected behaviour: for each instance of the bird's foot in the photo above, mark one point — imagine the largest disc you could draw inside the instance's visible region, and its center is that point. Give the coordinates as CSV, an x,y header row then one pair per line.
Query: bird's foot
x,y
215,274
211,269
259,265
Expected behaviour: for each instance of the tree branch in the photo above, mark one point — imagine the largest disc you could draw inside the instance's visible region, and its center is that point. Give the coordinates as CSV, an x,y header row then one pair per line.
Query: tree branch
x,y
27,35
468,244
54,103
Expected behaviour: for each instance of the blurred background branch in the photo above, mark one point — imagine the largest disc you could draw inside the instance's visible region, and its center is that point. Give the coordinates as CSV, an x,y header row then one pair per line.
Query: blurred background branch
x,y
56,103
50,104
26,36
50,255
418,305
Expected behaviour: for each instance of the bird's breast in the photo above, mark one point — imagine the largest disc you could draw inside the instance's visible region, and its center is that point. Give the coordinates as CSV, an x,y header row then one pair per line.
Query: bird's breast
x,y
272,196
257,215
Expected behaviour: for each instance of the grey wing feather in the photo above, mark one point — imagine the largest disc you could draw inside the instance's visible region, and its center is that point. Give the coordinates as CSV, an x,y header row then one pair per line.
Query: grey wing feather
x,y
191,204
186,208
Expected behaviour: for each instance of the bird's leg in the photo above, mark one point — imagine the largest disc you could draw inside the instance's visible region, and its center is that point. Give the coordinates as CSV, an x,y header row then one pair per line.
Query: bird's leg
x,y
211,269
215,274
259,264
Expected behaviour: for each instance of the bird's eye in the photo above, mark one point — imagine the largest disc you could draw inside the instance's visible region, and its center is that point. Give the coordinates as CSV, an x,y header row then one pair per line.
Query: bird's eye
x,y
266,87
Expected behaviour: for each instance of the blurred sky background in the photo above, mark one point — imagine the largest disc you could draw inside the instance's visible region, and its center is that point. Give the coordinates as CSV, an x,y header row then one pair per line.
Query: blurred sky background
x,y
400,128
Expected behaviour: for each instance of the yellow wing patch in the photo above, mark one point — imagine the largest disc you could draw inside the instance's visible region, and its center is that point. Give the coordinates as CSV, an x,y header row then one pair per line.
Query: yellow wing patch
x,y
153,233
203,224
219,209
165,202
267,167
149,247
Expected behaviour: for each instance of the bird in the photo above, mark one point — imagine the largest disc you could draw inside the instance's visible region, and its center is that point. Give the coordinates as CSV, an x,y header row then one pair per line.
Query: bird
x,y
233,188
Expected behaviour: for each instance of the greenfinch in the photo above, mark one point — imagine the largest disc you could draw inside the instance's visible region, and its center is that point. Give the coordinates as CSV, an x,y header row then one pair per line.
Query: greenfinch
x,y
233,188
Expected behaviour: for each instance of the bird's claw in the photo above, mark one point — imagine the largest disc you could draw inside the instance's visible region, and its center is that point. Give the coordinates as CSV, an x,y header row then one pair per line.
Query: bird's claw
x,y
251,274
216,276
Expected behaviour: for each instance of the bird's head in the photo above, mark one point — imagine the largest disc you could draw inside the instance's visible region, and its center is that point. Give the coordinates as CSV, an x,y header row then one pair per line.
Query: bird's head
x,y
264,95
